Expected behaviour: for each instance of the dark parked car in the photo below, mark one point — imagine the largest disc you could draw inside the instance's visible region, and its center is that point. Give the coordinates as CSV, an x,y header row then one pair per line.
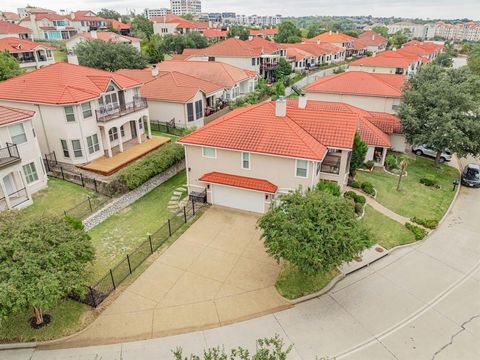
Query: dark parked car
x,y
471,175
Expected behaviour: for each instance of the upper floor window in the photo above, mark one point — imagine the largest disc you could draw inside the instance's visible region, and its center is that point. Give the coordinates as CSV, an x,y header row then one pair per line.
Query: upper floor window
x,y
301,168
86,110
69,113
190,114
110,99
254,61
66,153
140,124
209,152
211,58
17,134
198,109
246,161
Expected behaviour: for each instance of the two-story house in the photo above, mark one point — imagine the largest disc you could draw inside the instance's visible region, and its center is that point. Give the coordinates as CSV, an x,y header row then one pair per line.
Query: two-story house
x,y
338,39
49,26
398,62
30,55
375,43
21,167
86,20
173,24
83,113
103,36
8,30
247,158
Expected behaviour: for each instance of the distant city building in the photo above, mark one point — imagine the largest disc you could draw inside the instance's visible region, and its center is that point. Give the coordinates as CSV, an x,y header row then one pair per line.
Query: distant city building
x,y
149,13
183,7
467,31
412,30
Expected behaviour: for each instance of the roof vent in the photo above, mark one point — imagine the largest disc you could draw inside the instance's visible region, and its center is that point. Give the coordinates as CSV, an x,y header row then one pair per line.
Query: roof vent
x,y
302,101
154,71
281,107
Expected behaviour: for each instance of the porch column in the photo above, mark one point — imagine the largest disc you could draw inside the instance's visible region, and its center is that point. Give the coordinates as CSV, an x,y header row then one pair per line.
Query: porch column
x,y
384,155
120,141
149,129
4,190
107,143
139,136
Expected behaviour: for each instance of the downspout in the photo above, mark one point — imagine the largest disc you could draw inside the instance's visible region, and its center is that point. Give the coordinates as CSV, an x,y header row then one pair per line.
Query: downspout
x,y
43,128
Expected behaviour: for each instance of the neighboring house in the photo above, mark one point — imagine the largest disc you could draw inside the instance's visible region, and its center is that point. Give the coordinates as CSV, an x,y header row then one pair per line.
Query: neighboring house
x,y
309,55
8,30
215,35
173,24
21,167
374,42
83,113
176,98
336,38
86,20
469,31
104,36
123,29
49,26
30,55
369,91
10,17
359,48
249,157
426,49
268,34
400,62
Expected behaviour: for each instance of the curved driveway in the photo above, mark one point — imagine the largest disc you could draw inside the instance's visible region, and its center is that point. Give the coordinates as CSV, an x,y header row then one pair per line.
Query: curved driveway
x,y
420,302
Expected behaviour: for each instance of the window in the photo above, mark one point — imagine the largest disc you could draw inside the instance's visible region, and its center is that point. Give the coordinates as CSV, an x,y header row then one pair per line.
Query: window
x,y
92,143
77,148
122,131
246,161
254,62
69,113
395,107
140,124
109,101
198,109
17,133
301,168
209,152
319,166
113,134
87,110
211,58
65,148
30,172
190,115
33,133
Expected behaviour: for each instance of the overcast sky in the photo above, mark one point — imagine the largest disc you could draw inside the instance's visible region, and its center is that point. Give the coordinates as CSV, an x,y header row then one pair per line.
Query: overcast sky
x,y
447,9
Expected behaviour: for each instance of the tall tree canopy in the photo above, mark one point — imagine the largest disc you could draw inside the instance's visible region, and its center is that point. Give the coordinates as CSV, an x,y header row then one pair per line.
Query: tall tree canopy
x,y
142,27
359,152
284,69
109,14
288,33
108,55
175,44
397,40
316,232
474,59
41,261
444,59
152,49
382,30
440,108
9,66
239,31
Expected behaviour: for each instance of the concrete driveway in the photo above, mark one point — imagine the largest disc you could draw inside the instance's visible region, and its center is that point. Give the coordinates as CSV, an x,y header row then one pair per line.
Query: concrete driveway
x,y
216,273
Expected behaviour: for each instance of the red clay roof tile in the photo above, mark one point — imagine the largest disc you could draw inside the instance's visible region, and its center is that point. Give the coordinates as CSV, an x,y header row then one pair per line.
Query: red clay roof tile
x,y
239,181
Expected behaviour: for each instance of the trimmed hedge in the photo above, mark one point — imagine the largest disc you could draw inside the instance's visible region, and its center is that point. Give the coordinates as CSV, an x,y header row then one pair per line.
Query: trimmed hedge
x,y
329,187
151,165
355,184
370,164
428,223
429,182
368,188
360,199
417,231
391,162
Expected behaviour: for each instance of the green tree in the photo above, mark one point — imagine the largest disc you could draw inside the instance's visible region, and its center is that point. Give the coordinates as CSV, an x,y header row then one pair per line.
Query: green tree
x,y
444,59
142,27
440,108
316,232
9,66
109,14
152,49
473,60
284,69
195,41
359,151
41,261
352,33
239,31
108,55
288,33
381,30
397,40
314,30
187,17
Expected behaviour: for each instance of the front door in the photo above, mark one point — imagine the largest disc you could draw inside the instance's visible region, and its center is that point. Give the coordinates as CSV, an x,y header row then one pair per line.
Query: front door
x,y
121,99
133,129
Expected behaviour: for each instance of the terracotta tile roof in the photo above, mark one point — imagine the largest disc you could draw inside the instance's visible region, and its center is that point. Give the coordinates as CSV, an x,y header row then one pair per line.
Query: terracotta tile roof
x,y
49,16
272,31
239,181
62,83
358,44
108,36
315,49
388,123
387,60
371,38
8,28
214,33
83,15
181,23
231,47
10,115
298,54
265,46
359,83
333,37
9,15
15,45
118,25
213,71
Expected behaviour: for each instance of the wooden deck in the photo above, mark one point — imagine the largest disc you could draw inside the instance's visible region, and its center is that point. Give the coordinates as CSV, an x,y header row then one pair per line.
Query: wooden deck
x,y
107,166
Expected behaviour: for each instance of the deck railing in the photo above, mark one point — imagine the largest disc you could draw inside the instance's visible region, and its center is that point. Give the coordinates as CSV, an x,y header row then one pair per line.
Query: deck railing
x,y
107,113
9,155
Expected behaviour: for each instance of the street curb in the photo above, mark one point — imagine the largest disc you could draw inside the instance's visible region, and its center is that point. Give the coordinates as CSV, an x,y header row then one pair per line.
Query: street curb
x,y
18,346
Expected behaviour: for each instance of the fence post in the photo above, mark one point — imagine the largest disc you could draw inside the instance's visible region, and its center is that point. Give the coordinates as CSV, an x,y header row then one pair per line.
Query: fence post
x,y
90,203
150,241
81,178
63,175
55,157
169,228
185,214
113,281
129,266
193,207
93,297
95,184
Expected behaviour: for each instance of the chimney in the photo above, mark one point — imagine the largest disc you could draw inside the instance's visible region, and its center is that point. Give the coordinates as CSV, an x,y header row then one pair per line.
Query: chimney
x,y
281,107
93,34
373,37
302,101
154,71
330,32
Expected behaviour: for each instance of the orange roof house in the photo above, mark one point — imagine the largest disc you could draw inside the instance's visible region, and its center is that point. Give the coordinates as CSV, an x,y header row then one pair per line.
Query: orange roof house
x,y
9,29
333,38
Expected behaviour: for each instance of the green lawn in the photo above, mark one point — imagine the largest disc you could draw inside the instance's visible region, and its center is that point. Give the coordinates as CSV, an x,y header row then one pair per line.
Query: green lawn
x,y
59,55
385,231
414,199
67,318
159,133
123,232
60,195
292,284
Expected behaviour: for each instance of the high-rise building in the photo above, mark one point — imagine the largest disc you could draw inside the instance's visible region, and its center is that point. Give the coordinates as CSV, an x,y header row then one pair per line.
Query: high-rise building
x,y
149,13
182,7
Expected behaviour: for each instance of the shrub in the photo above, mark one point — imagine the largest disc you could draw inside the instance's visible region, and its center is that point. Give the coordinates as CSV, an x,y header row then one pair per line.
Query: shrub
x,y
370,164
358,209
355,184
391,162
329,187
417,231
368,188
360,199
350,195
428,223
429,182
150,165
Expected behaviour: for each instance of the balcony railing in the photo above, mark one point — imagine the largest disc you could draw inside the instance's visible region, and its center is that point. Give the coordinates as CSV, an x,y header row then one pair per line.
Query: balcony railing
x,y
110,112
9,155
331,165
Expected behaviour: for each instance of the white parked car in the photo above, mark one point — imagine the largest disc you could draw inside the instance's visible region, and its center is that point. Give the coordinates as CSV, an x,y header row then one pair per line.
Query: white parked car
x,y
425,150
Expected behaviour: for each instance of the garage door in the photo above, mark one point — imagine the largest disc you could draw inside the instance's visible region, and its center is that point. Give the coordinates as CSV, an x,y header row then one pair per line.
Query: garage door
x,y
238,198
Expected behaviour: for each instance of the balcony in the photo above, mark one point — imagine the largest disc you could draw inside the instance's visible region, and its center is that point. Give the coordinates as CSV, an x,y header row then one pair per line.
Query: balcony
x,y
9,155
269,65
15,199
331,165
114,111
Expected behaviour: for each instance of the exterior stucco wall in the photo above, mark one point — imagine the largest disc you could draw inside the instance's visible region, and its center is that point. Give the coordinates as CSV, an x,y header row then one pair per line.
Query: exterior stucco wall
x,y
371,103
373,69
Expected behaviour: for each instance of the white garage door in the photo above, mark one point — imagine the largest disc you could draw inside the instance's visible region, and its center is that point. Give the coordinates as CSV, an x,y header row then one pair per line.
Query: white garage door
x,y
238,198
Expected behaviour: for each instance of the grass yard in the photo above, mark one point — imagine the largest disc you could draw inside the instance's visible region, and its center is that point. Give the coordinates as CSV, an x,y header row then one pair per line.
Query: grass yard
x,y
67,318
292,284
385,231
60,195
159,133
123,232
414,199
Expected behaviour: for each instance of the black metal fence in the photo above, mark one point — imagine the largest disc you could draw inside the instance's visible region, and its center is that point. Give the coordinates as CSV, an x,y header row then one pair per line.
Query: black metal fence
x,y
110,281
168,127
86,207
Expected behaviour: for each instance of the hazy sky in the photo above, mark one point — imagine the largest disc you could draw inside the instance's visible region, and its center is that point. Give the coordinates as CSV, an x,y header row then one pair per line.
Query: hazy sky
x,y
447,9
